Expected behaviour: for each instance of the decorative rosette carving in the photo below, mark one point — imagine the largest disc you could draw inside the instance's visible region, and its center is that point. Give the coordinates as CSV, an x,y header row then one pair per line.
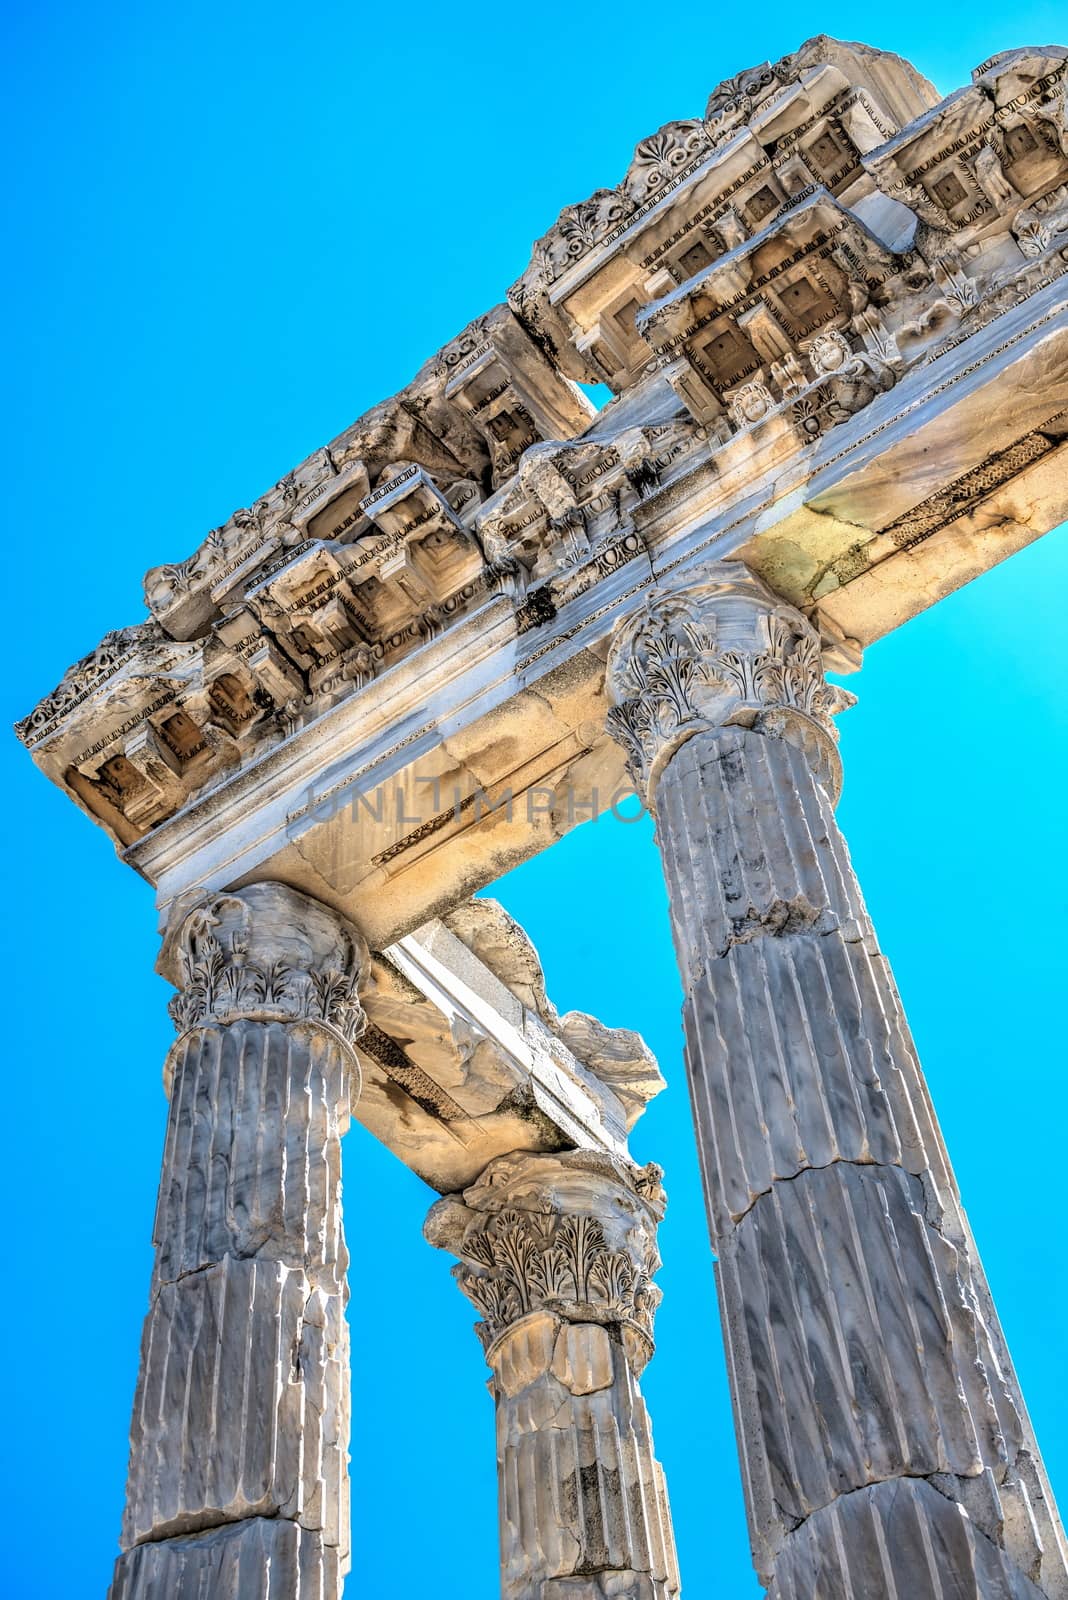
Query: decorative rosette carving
x,y
267,953
716,649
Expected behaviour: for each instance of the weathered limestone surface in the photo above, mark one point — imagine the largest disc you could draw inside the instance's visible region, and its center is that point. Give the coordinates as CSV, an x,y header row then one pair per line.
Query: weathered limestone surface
x,y
855,1313
557,1253
242,1405
238,1482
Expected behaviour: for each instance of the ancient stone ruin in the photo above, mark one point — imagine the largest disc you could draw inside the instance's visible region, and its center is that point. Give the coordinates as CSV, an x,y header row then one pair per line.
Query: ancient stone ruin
x,y
831,312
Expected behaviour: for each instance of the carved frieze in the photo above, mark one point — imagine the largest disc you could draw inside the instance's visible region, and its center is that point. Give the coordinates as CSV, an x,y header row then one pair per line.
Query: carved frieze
x,y
499,380
962,497
968,166
797,258
464,420
754,328
144,643
571,502
697,189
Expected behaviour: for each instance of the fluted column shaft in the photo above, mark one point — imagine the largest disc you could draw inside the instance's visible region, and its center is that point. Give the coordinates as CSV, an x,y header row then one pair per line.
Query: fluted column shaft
x,y
557,1253
885,1446
238,1481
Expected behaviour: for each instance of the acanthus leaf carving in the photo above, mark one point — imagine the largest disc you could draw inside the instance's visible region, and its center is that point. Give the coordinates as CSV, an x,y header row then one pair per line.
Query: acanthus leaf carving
x,y
573,1235
522,1263
228,961
714,649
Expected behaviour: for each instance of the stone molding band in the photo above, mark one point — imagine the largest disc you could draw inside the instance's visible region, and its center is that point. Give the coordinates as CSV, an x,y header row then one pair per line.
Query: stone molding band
x,y
830,311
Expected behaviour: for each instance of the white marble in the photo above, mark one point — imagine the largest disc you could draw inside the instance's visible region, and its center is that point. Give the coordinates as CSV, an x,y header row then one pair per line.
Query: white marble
x,y
832,313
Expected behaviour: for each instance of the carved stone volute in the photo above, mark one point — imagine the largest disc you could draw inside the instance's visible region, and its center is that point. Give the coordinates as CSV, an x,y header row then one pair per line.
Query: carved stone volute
x,y
267,953
715,649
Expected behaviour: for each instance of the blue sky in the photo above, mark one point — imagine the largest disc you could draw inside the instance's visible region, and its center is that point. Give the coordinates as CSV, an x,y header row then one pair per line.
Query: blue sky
x,y
232,228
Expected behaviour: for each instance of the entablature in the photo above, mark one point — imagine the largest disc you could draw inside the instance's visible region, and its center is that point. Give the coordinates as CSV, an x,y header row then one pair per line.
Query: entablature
x,y
461,532
465,1058
775,315
697,190
462,423
488,744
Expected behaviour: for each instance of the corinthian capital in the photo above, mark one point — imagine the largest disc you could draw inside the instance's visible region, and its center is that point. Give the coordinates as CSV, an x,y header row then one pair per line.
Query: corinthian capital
x,y
571,1235
715,649
267,953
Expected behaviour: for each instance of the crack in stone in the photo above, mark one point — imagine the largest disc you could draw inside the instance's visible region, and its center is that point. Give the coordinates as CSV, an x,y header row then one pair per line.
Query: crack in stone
x,y
824,1166
782,919
198,1529
322,1277
897,1481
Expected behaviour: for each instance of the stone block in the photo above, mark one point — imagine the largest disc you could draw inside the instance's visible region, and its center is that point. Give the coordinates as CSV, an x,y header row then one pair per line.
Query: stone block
x,y
583,1357
858,1353
242,1404
258,1559
902,1538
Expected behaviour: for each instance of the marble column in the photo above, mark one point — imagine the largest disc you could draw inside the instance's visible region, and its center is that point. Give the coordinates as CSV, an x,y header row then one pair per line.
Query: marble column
x,y
557,1253
884,1443
238,1480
